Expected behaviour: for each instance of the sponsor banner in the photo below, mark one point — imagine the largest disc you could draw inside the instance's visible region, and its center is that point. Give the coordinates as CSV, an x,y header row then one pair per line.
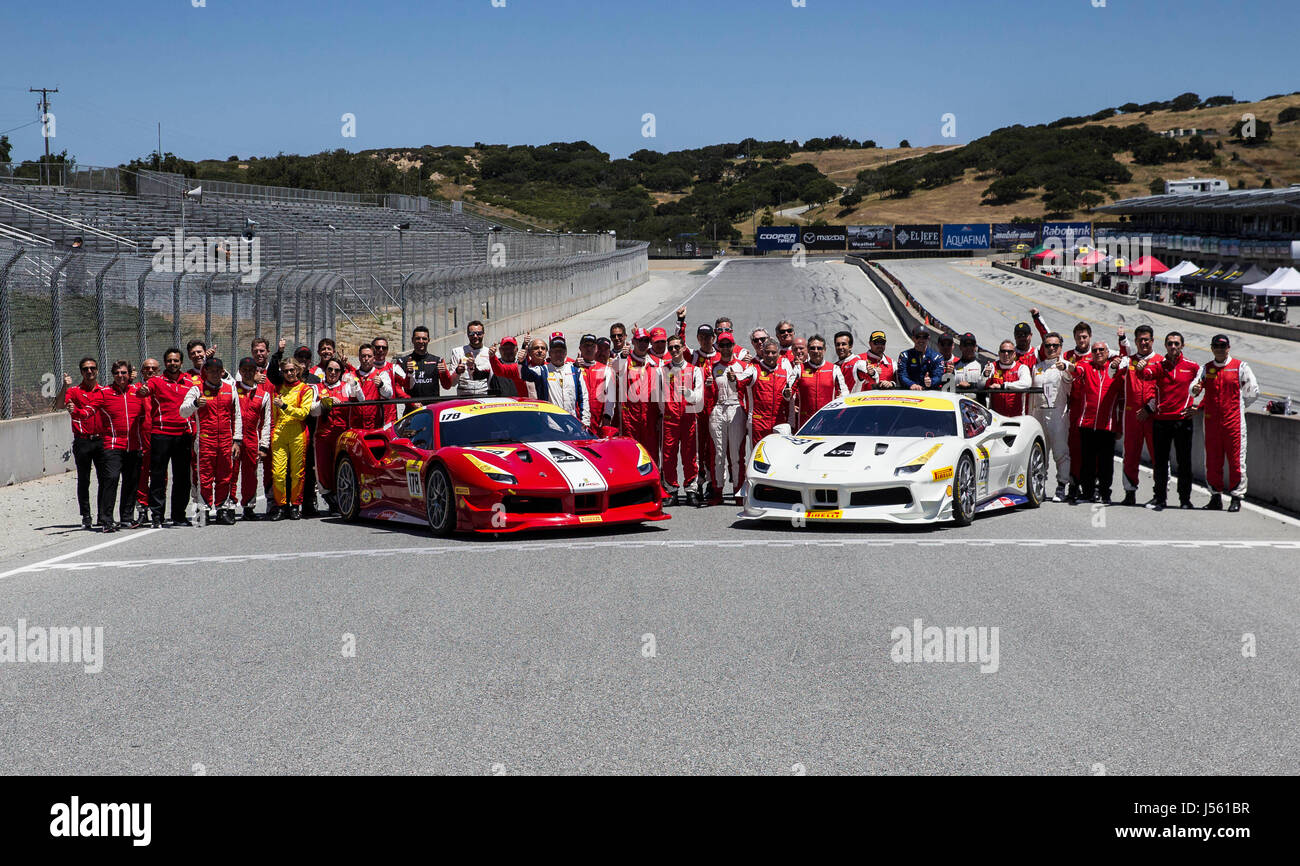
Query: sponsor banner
x,y
918,237
1010,234
822,238
1075,231
776,237
870,237
966,236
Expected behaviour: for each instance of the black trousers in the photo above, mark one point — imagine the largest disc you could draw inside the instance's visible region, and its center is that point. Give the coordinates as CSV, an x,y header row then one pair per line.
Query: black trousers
x,y
175,451
120,467
85,454
1179,435
1097,452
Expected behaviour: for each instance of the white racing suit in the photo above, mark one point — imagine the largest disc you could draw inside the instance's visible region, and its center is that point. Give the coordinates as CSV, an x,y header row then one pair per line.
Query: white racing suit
x,y
727,424
1051,408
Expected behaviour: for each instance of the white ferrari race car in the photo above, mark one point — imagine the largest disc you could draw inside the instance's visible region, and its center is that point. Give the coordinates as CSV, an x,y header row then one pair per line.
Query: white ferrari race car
x,y
912,457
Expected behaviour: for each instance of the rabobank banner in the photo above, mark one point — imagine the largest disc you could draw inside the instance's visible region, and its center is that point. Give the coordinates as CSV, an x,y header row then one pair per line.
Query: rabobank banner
x,y
822,237
870,237
918,237
1074,231
776,237
1010,234
966,236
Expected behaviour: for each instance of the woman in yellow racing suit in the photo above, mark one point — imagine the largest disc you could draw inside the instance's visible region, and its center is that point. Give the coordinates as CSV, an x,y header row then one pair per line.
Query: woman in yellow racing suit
x,y
289,440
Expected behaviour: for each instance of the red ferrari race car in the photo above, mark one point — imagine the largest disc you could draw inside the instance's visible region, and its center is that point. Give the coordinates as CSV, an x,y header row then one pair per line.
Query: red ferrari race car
x,y
494,465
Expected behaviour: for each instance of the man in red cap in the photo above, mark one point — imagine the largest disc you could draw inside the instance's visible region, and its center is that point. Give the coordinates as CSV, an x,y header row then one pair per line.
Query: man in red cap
x,y
659,345
636,378
1229,387
502,358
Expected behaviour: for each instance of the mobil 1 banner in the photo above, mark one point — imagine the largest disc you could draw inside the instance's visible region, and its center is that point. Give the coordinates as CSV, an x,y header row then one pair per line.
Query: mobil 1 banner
x,y
966,236
822,238
1064,231
1010,234
870,237
918,237
776,237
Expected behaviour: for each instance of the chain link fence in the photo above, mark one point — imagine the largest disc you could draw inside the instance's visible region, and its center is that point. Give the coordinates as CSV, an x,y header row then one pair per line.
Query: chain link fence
x,y
56,306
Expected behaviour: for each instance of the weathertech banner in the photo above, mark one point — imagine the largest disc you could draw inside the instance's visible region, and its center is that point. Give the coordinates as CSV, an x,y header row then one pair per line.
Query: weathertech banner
x,y
1010,234
918,237
870,237
822,238
776,237
966,236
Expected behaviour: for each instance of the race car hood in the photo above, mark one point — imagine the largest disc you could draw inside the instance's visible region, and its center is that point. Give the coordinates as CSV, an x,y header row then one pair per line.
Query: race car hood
x,y
581,466
863,456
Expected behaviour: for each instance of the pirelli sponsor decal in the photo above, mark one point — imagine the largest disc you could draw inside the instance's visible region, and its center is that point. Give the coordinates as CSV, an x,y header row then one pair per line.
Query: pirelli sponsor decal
x,y
825,514
943,474
590,518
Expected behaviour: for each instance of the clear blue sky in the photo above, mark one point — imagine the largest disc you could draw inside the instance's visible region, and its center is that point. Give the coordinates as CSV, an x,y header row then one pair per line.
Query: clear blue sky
x,y
257,78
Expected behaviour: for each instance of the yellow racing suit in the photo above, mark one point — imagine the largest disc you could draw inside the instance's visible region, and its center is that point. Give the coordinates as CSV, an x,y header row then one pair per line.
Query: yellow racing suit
x,y
289,440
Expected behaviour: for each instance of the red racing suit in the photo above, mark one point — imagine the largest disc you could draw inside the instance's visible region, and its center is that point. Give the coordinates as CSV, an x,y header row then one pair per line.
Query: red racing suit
x,y
375,384
1099,394
636,382
595,375
703,440
219,427
1018,377
334,421
885,368
1137,393
816,387
255,419
121,418
1229,388
681,396
766,398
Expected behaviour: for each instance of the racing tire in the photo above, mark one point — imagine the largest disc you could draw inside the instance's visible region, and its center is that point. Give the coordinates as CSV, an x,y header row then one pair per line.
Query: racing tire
x,y
348,490
1036,475
439,502
964,491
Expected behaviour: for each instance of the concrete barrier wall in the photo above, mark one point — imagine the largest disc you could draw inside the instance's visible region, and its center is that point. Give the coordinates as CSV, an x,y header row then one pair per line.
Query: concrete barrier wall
x,y
1225,323
34,447
1104,294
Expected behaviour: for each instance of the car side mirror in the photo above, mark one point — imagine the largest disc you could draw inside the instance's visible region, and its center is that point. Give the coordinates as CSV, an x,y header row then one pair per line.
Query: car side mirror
x,y
783,429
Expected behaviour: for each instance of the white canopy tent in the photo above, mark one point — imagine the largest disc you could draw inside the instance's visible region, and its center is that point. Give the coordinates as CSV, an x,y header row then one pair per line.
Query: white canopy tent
x,y
1284,282
1177,272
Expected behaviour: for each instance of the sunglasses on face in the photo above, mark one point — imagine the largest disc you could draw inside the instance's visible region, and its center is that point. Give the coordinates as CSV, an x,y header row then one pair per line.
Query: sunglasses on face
x,y
89,369
922,337
785,330
1051,345
1006,351
150,369
1173,345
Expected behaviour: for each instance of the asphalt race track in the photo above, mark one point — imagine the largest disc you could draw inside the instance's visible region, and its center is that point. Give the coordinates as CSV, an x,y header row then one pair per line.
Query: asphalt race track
x,y
988,302
1128,641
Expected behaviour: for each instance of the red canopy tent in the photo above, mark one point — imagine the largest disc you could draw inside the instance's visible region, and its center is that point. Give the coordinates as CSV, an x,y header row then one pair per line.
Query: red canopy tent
x,y
1146,266
1089,259
1046,255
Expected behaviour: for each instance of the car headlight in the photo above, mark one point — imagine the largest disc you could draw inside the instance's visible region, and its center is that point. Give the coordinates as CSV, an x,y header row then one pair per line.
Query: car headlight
x,y
644,462
760,466
759,462
908,469
502,477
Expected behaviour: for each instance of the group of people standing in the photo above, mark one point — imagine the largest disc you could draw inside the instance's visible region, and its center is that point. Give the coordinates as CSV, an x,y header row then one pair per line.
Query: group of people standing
x,y
697,411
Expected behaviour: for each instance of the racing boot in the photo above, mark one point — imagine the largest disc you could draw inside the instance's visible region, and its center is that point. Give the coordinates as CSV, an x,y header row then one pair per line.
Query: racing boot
x,y
250,513
87,523
1234,504
295,512
1130,497
279,512
226,516
1215,503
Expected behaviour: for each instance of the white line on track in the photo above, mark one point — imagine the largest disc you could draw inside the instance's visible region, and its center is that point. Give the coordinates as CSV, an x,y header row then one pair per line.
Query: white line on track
x,y
713,274
491,548
52,561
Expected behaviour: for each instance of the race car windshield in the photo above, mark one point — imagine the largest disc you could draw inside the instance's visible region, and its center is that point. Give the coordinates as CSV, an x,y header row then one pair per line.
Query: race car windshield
x,y
881,421
510,427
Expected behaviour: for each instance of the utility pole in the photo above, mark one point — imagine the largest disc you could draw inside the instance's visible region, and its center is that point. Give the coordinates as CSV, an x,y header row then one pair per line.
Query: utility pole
x,y
45,113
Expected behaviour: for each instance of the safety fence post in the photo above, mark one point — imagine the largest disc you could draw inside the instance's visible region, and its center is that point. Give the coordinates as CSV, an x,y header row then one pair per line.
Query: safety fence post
x,y
7,339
